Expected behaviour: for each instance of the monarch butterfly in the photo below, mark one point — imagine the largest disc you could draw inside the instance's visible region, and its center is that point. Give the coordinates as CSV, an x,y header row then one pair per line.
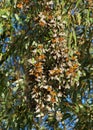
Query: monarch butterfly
x,y
53,100
39,70
35,89
20,5
42,23
39,64
55,71
67,59
77,53
68,72
54,40
90,3
49,89
41,57
74,74
75,66
61,39
26,1
40,46
50,17
53,93
66,50
36,74
73,58
71,70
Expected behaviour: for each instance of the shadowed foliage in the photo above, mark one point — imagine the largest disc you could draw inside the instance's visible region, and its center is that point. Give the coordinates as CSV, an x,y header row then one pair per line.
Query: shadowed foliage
x,y
46,64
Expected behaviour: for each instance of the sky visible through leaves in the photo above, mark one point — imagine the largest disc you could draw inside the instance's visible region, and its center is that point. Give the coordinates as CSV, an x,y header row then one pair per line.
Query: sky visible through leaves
x,y
46,65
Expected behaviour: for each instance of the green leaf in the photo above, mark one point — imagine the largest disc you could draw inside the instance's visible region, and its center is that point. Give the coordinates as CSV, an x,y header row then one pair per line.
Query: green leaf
x,y
17,17
65,116
74,36
70,40
78,2
1,28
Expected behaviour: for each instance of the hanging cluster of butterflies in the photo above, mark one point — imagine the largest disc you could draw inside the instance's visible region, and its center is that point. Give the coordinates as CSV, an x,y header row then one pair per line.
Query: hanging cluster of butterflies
x,y
52,68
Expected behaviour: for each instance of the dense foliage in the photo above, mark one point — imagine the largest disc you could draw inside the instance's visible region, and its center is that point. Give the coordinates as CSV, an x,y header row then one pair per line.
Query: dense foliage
x,y
46,77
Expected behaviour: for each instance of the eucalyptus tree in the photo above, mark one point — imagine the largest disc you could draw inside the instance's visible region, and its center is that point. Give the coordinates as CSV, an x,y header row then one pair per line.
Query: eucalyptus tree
x,y
46,64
